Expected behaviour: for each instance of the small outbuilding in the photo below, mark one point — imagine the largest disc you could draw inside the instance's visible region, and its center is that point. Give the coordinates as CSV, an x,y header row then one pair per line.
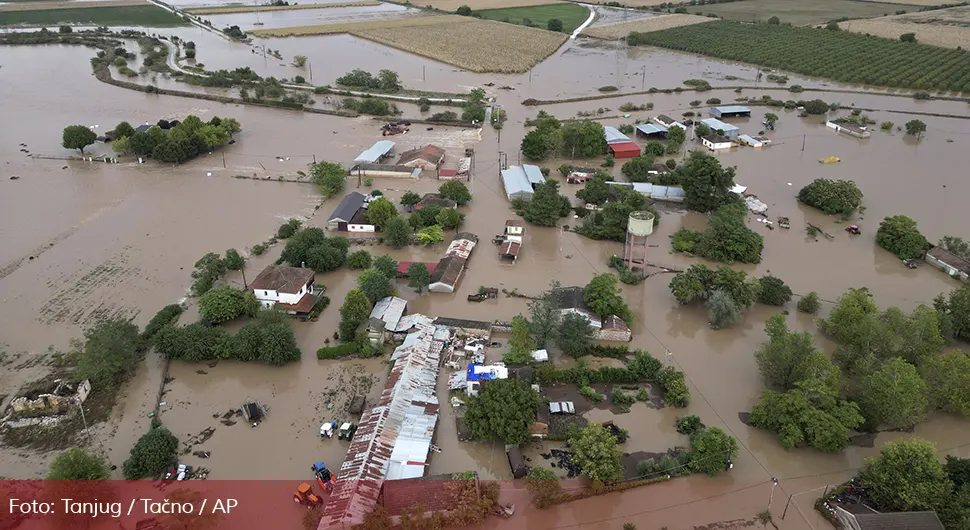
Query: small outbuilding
x,y
624,149
731,111
750,140
715,142
344,213
516,183
948,262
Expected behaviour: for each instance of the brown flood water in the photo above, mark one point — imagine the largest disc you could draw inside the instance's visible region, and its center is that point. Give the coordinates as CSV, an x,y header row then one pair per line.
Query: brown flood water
x,y
121,239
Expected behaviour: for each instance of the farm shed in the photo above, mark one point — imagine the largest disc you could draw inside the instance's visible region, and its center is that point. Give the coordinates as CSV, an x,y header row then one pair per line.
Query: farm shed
x,y
427,157
948,262
750,140
868,519
344,213
375,153
654,192
651,130
851,130
402,267
534,174
614,135
389,310
624,149
614,329
731,111
715,142
664,120
731,131
516,183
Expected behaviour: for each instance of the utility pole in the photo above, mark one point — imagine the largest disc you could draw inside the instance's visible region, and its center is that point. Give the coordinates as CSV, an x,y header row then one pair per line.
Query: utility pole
x,y
243,270
774,483
424,73
803,142
314,159
223,160
311,72
643,82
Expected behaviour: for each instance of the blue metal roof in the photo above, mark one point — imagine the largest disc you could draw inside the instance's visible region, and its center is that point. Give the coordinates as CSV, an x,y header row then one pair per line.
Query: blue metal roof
x,y
730,109
651,128
613,135
534,174
515,181
375,152
716,124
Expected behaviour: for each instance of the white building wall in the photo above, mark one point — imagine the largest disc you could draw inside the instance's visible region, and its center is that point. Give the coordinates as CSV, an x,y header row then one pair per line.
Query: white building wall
x,y
268,298
361,228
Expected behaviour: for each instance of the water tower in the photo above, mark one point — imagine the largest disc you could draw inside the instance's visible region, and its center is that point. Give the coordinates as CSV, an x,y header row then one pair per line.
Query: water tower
x,y
638,231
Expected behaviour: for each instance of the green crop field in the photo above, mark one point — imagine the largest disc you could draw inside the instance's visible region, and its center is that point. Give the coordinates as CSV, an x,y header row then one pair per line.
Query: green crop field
x,y
108,16
572,15
801,13
839,55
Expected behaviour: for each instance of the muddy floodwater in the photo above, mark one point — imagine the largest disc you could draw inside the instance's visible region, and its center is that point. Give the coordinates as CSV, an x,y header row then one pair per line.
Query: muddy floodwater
x,y
80,241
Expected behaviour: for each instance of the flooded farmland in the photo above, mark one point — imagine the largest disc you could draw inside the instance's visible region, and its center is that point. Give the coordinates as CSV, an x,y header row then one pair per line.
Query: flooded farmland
x,y
79,241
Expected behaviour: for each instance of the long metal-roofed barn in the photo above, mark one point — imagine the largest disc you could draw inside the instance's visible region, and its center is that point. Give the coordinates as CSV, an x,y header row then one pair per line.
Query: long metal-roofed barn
x,y
731,131
394,437
619,144
534,174
375,153
731,111
516,183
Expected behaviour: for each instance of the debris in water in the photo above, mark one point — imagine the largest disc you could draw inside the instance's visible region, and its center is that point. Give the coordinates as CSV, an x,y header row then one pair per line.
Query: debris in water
x,y
201,372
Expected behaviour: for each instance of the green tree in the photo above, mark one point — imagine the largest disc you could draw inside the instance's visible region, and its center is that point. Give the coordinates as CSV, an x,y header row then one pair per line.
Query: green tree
x,y
543,485
374,285
504,409
575,335
449,218
913,128
521,344
810,413
832,196
297,248
602,296
123,130
906,476
790,357
141,143
654,148
355,310
327,256
596,452
809,303
554,24
222,304
111,351
899,234
728,239
464,11
359,260
595,191
947,377
121,145
78,464
774,291
152,454
702,129
78,137
771,118
676,135
398,233
722,310
711,450
638,168
231,126
706,184
774,20
330,177
583,139
456,191
380,211
418,276
387,265
544,140
431,235
545,208
895,395
288,228
544,315
233,260
212,135
410,199
278,345
473,114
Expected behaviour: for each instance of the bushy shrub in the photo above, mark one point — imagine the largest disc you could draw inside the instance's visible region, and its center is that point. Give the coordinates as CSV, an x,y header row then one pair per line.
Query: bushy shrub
x,y
336,352
674,386
164,317
689,425
288,228
809,303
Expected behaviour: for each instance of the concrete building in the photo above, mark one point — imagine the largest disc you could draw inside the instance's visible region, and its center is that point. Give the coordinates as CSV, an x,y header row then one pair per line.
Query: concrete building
x,y
731,111
448,271
848,128
716,125
516,183
427,157
750,140
948,262
287,288
344,213
715,142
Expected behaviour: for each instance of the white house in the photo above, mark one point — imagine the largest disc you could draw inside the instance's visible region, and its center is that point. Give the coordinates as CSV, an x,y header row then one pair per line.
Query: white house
x,y
478,373
716,141
287,288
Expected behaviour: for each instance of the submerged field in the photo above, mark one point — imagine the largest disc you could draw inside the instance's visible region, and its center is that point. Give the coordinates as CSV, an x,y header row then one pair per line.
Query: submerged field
x,y
801,13
571,15
657,23
840,55
134,15
354,27
475,45
249,9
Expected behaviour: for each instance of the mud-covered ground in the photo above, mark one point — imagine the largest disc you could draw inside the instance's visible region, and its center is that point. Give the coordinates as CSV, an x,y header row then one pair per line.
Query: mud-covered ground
x,y
122,239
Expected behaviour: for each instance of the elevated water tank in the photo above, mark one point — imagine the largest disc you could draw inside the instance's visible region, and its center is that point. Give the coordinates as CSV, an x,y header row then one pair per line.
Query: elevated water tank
x,y
640,223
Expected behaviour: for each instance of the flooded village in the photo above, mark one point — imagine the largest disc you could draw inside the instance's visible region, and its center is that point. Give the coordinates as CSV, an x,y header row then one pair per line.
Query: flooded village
x,y
373,386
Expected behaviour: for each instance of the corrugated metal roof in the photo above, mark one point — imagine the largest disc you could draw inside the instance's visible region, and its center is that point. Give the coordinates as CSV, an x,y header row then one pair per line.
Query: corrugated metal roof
x,y
651,128
348,207
393,438
716,124
614,135
750,140
624,149
375,152
460,247
534,174
655,192
515,181
389,310
730,109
